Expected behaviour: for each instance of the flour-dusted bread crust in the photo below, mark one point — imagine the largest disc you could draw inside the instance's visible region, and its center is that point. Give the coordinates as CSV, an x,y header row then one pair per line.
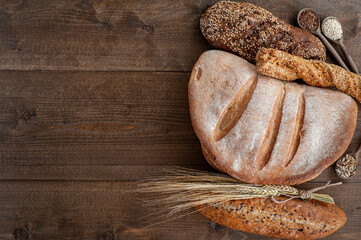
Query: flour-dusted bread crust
x,y
244,28
265,131
294,219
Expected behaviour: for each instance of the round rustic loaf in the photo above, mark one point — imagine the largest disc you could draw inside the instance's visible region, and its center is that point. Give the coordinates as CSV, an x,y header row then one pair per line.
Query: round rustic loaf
x,y
265,131
244,28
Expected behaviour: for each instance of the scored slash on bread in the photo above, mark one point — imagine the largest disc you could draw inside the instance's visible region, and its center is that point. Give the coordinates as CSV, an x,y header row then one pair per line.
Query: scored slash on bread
x,y
265,131
271,133
234,110
291,124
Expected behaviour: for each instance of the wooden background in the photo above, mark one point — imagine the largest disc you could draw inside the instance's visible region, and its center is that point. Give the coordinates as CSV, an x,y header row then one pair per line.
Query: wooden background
x,y
93,96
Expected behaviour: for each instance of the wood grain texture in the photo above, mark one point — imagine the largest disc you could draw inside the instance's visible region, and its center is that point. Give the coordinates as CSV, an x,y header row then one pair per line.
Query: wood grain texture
x,y
130,35
90,210
123,172
110,107
99,125
95,118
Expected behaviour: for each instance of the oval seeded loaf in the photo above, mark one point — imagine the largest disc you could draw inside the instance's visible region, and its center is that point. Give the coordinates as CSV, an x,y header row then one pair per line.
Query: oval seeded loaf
x,y
265,131
244,28
294,219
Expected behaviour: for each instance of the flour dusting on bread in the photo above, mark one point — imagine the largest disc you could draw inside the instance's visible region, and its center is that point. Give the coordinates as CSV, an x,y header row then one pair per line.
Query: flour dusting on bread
x,y
283,135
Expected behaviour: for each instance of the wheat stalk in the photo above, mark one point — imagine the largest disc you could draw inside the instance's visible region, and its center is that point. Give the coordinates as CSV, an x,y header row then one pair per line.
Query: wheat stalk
x,y
186,188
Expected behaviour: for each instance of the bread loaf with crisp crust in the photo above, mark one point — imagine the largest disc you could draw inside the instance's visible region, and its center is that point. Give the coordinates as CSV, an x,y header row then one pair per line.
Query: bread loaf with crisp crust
x,y
294,219
265,131
284,66
244,28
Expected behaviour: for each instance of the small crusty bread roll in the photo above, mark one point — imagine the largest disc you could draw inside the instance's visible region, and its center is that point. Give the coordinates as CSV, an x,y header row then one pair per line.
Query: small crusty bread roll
x,y
294,219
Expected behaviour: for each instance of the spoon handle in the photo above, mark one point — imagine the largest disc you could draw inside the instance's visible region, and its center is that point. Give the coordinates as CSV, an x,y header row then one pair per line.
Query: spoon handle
x,y
357,153
332,51
349,58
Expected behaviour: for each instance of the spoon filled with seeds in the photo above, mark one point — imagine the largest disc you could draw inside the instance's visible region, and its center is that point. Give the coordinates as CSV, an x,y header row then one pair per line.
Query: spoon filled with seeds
x,y
346,167
308,20
332,29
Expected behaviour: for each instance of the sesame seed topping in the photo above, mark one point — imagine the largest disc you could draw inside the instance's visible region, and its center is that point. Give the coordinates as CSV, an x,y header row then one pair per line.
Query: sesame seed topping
x,y
332,29
244,28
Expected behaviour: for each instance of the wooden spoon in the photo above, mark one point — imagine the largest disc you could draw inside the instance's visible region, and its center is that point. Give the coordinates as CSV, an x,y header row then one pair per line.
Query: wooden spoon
x,y
346,167
318,33
340,43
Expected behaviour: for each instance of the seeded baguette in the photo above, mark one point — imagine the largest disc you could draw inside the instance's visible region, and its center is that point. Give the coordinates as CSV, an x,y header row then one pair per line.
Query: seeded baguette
x,y
244,28
294,219
284,66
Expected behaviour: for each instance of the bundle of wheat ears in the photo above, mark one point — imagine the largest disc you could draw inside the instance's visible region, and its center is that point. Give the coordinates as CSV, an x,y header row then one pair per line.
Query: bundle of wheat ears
x,y
182,189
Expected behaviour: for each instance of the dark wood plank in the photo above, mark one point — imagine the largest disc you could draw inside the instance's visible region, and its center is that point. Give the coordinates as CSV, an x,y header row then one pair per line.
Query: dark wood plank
x,y
77,118
88,125
99,125
152,35
95,126
123,172
88,210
